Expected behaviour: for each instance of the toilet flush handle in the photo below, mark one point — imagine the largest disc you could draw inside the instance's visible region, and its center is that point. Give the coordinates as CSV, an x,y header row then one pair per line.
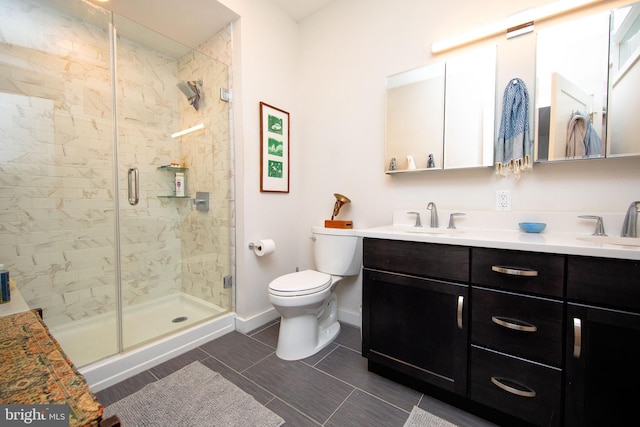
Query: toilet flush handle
x,y
313,238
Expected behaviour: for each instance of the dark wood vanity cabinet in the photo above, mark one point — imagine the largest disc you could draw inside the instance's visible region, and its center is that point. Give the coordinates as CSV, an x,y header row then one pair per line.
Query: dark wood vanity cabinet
x,y
517,340
548,339
414,315
603,341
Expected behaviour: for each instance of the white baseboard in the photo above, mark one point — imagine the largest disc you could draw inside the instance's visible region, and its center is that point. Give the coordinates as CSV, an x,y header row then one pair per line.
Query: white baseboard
x,y
246,325
350,318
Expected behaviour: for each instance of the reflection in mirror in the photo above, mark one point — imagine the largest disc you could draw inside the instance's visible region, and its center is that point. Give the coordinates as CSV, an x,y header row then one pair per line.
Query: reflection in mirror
x,y
571,89
624,82
415,116
470,109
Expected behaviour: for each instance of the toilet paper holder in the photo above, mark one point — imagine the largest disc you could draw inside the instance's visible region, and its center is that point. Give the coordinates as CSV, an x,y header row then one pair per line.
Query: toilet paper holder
x,y
253,246
262,247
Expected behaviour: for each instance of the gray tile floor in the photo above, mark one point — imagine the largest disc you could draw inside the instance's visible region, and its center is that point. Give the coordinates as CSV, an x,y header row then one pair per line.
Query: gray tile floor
x,y
331,388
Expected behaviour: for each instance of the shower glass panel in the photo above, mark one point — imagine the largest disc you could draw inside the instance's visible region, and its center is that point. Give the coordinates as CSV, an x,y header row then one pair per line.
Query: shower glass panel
x,y
75,119
56,168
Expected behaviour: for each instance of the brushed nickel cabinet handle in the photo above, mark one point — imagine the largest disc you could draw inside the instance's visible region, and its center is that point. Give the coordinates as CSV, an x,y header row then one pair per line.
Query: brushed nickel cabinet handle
x,y
460,307
577,337
500,382
514,271
515,324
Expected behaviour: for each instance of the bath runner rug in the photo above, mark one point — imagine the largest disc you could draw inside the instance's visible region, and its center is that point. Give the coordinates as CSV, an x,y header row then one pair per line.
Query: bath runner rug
x,y
421,418
194,396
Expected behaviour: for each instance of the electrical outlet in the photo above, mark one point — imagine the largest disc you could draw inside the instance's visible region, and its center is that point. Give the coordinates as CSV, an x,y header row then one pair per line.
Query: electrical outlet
x,y
503,200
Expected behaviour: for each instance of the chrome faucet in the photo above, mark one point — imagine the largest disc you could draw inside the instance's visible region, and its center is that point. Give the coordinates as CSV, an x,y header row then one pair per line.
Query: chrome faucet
x,y
418,222
630,224
434,214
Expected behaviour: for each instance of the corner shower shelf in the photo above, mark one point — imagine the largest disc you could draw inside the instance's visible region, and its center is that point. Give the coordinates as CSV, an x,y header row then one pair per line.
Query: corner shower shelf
x,y
174,169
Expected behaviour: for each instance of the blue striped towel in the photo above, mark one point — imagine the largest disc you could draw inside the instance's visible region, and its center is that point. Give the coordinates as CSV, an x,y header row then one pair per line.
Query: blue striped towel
x,y
513,150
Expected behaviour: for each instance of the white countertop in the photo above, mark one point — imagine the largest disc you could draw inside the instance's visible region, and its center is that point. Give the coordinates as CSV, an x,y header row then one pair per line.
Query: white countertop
x,y
549,242
16,305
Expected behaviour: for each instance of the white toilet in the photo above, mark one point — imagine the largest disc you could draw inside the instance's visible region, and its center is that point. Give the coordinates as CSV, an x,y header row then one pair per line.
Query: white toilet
x,y
307,301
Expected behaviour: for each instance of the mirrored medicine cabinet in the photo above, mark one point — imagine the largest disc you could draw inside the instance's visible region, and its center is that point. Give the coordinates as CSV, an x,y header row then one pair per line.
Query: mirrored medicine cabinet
x,y
415,117
587,77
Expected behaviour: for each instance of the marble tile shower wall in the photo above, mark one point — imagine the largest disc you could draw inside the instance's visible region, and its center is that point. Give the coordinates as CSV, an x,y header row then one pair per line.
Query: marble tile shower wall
x,y
56,169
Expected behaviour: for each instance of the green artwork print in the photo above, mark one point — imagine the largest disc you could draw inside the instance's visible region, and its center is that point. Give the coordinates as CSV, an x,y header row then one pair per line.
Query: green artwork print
x,y
275,169
275,124
275,147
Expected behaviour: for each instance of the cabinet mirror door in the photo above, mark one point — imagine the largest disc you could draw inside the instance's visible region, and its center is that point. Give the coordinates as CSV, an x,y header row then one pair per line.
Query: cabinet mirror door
x,y
415,118
624,82
571,92
470,109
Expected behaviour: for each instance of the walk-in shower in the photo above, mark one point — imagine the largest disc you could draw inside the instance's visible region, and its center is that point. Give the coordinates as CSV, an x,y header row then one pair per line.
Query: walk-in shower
x,y
86,97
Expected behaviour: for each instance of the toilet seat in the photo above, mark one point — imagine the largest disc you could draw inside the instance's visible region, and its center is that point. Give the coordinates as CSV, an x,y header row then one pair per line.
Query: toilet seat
x,y
300,283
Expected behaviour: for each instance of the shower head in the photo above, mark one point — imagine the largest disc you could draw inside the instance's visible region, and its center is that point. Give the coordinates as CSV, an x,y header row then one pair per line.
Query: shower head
x,y
186,89
191,91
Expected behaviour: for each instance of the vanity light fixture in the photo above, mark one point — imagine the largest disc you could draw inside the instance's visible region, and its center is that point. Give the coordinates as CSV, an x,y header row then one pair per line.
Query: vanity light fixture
x,y
515,25
189,130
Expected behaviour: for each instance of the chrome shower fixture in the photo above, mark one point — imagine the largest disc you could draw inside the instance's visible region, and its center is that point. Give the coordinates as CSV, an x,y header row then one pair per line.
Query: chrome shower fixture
x,y
193,91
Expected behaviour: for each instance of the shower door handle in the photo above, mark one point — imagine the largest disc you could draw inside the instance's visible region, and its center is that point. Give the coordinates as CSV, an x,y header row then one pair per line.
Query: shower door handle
x,y
134,186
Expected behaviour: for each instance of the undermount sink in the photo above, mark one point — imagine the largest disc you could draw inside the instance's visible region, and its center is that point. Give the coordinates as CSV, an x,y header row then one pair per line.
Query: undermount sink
x,y
433,230
612,240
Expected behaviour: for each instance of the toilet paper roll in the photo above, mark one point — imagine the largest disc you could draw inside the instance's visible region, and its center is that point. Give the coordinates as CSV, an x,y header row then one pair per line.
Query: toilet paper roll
x,y
264,247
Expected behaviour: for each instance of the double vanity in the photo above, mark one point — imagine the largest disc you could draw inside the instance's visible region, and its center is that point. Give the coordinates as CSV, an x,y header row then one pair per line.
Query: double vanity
x,y
540,329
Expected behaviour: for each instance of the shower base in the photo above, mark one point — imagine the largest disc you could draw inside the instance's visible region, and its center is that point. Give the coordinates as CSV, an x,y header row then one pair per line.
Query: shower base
x,y
89,340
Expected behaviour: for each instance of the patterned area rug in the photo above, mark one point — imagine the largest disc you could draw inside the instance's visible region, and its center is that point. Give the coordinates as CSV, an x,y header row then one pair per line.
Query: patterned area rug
x,y
194,396
421,418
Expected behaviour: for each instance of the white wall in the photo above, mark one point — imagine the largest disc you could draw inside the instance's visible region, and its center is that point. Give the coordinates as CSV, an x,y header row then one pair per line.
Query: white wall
x,y
329,73
265,43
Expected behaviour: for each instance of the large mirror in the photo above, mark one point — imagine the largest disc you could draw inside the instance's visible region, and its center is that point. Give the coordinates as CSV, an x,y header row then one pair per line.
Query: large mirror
x,y
571,89
415,119
624,82
586,96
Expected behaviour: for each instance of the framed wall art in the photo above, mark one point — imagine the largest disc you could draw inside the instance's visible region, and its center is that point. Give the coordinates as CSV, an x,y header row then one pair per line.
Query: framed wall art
x,y
274,149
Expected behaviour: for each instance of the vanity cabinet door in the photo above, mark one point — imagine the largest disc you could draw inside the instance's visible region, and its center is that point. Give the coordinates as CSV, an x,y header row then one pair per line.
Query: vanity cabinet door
x,y
417,327
602,366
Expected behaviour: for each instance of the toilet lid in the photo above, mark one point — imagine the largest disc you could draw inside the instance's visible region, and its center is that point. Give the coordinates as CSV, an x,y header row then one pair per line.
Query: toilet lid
x,y
300,283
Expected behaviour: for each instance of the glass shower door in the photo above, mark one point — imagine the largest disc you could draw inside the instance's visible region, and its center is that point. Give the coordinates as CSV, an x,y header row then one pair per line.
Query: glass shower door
x,y
174,253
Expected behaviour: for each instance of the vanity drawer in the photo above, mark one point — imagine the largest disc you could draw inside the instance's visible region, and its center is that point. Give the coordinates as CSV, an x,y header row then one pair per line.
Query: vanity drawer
x,y
527,327
530,272
604,281
525,390
420,259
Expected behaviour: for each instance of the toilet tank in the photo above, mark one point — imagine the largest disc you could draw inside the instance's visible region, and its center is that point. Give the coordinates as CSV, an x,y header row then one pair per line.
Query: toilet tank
x,y
337,251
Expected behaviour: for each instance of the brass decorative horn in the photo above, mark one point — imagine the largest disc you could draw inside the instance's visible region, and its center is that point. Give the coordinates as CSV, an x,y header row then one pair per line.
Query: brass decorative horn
x,y
340,200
